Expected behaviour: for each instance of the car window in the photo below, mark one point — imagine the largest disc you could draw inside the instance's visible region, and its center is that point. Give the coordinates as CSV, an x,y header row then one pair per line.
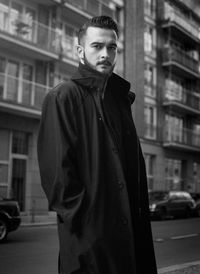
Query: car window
x,y
173,196
157,196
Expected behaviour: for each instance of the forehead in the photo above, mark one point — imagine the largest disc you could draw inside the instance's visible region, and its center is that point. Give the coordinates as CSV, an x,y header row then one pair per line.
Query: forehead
x,y
95,34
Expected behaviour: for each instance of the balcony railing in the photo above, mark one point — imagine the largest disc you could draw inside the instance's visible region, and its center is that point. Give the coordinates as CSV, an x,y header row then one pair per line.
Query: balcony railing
x,y
23,92
182,96
181,137
39,35
149,89
184,22
171,53
31,32
93,7
149,9
149,49
68,48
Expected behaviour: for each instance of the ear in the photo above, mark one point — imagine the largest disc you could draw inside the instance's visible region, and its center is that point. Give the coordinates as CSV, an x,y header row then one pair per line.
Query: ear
x,y
80,52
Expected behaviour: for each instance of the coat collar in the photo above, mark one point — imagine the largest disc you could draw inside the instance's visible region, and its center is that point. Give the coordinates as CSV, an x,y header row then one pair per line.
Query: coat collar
x,y
87,77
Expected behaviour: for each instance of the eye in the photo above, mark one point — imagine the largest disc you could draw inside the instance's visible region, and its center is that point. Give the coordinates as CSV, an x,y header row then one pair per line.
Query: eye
x,y
97,46
113,48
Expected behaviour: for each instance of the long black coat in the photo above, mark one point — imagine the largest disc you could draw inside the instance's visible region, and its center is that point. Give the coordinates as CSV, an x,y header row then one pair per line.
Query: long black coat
x,y
93,173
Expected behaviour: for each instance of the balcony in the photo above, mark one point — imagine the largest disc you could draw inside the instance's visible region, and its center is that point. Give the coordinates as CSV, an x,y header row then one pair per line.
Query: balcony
x,y
68,48
181,62
150,131
92,7
183,25
149,89
20,95
184,139
29,33
150,9
181,99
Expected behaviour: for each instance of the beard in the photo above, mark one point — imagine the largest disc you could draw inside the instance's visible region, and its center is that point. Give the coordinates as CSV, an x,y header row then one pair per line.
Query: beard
x,y
88,64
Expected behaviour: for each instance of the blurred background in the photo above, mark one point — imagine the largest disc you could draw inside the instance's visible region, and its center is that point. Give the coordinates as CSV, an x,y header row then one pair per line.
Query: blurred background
x,y
159,48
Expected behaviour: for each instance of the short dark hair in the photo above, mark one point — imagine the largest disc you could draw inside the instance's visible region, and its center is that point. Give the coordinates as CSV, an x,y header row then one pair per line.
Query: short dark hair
x,y
104,22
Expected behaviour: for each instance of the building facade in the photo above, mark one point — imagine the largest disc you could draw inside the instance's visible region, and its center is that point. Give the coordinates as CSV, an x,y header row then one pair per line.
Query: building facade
x,y
159,49
37,50
171,136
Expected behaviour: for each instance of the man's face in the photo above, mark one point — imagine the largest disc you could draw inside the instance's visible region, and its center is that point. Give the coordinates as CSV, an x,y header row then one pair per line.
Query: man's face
x,y
99,49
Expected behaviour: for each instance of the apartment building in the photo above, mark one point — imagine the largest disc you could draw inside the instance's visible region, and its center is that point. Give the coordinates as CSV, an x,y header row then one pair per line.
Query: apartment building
x,y
158,53
171,92
37,50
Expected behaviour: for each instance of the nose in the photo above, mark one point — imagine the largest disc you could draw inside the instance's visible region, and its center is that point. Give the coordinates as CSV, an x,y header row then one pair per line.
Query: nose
x,y
104,53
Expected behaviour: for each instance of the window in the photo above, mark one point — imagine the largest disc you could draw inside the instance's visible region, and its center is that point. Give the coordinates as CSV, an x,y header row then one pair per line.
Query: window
x,y
12,80
149,40
20,142
174,129
29,24
27,71
13,149
19,166
150,121
149,161
4,161
4,8
120,63
2,76
175,89
16,82
196,135
16,17
173,171
149,75
119,16
69,41
149,8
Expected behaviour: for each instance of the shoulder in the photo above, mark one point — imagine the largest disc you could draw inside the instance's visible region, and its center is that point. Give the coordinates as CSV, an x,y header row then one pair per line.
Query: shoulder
x,y
66,91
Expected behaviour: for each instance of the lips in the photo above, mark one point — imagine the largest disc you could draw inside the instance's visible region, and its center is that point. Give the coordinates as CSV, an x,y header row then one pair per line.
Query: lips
x,y
107,64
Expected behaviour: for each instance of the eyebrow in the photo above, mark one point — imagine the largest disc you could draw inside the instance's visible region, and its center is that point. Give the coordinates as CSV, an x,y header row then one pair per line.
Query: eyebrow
x,y
100,43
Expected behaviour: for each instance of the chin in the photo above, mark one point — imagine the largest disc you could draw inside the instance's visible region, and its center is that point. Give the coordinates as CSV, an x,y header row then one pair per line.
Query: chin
x,y
105,71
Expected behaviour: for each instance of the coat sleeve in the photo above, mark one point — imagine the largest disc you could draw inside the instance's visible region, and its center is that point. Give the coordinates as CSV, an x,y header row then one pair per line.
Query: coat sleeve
x,y
57,155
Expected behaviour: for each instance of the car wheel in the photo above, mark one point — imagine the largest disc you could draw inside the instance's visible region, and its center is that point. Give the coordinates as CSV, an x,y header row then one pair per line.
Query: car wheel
x,y
163,213
3,230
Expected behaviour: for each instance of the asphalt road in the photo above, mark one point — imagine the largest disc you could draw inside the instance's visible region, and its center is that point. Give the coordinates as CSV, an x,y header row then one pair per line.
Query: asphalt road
x,y
30,250
34,250
176,241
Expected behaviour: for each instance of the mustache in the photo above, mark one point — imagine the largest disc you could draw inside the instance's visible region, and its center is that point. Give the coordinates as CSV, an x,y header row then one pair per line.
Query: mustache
x,y
107,63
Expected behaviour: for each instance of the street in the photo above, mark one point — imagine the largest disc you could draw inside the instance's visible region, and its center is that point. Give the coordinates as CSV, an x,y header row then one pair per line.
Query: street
x,y
176,241
30,250
35,249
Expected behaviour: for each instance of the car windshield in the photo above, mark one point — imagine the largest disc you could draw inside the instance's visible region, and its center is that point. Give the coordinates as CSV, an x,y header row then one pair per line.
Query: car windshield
x,y
157,196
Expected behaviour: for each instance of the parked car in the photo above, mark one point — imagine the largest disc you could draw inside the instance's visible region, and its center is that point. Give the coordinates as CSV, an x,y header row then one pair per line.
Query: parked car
x,y
9,217
197,208
196,197
163,204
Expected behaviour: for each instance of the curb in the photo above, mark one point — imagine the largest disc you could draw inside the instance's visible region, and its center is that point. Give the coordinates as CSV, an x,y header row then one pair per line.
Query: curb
x,y
38,220
187,268
37,224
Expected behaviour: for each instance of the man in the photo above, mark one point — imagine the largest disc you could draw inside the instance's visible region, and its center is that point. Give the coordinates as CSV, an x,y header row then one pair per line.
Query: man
x,y
91,165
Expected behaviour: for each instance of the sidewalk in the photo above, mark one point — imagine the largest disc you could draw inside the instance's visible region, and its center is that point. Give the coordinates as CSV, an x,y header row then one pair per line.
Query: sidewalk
x,y
39,220
187,268
50,219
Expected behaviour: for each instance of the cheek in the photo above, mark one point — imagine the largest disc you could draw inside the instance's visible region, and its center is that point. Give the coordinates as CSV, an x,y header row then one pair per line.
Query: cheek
x,y
114,56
